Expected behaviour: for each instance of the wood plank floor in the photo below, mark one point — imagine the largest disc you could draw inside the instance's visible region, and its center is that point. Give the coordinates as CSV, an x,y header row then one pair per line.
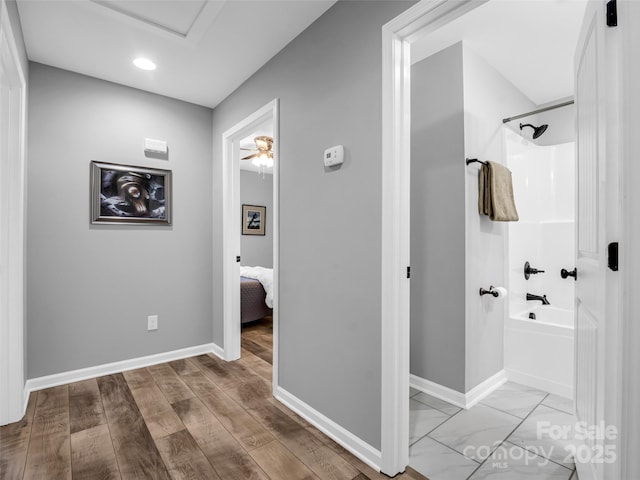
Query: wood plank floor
x,y
197,418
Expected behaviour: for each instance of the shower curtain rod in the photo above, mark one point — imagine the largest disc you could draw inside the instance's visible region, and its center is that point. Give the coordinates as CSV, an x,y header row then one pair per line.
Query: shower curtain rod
x,y
563,104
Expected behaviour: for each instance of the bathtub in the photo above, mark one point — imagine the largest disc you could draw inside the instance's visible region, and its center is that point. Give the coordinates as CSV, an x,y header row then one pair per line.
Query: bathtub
x,y
539,352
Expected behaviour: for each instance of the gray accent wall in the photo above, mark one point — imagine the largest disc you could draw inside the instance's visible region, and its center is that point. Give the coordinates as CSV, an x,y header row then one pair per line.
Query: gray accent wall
x,y
438,219
90,287
257,189
329,82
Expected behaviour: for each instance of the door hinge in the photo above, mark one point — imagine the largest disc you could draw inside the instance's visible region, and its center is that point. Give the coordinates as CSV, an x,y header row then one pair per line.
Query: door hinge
x,y
612,13
238,258
612,253
408,272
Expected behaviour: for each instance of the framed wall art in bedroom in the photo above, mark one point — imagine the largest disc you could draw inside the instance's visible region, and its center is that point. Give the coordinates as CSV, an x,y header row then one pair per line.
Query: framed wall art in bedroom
x,y
125,194
253,219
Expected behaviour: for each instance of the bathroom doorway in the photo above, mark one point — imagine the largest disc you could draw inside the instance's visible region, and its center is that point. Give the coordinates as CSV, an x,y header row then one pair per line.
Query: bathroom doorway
x,y
400,33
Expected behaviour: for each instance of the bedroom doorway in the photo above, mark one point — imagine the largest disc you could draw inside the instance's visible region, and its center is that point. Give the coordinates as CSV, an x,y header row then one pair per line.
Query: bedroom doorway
x,y
250,243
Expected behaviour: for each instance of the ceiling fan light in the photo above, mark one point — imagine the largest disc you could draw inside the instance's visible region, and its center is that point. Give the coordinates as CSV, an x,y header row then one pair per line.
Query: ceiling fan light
x,y
269,162
256,161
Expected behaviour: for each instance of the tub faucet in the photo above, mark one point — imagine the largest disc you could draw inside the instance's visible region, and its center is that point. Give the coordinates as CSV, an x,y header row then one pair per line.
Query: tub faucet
x,y
542,298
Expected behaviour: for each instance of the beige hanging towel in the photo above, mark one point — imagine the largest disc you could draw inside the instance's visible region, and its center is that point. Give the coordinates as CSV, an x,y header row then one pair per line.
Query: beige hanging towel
x,y
495,193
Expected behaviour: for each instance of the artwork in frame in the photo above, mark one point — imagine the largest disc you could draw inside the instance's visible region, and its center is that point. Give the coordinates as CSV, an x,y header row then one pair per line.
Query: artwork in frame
x,y
125,194
253,219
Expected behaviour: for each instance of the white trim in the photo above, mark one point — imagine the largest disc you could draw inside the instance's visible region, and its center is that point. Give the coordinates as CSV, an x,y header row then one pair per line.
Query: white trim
x,y
340,435
217,351
629,257
540,383
439,391
462,400
397,36
40,383
12,240
231,223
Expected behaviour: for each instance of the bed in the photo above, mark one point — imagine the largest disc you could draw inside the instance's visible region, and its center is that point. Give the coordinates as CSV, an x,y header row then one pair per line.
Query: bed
x,y
252,300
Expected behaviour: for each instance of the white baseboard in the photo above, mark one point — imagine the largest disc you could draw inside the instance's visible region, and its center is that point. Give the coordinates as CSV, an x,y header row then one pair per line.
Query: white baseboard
x,y
217,350
543,384
439,391
340,435
462,400
40,383
486,388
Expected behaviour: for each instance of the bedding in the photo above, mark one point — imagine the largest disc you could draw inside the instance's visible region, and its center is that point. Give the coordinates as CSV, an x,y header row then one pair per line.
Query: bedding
x,y
264,276
252,300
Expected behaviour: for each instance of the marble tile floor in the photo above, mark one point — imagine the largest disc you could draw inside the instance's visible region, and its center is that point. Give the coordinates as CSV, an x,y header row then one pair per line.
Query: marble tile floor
x,y
512,435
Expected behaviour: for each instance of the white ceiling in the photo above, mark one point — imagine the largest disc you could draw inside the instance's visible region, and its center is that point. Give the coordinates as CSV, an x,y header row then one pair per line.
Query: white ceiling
x,y
531,42
204,49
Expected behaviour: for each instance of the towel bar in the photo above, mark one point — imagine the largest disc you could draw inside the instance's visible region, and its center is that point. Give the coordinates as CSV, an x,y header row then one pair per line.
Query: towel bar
x,y
475,160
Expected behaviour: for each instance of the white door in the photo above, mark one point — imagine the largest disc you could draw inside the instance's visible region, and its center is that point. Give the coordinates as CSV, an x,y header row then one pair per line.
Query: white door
x,y
597,225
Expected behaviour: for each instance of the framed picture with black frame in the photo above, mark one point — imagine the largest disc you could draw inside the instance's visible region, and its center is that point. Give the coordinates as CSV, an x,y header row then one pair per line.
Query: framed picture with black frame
x,y
253,219
130,195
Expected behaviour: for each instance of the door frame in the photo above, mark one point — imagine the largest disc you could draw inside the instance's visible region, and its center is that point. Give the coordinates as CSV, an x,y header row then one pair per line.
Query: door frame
x,y
629,13
231,228
12,231
397,37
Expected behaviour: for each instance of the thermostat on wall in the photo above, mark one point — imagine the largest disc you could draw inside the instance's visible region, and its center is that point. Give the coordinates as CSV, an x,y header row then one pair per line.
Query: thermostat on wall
x,y
155,146
334,156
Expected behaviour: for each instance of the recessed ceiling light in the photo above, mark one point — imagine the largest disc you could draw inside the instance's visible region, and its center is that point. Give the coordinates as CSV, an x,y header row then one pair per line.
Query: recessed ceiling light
x,y
144,64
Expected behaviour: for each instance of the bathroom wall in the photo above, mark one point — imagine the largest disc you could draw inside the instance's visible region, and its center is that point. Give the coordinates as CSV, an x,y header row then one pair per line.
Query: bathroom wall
x,y
90,287
488,98
257,189
458,103
438,220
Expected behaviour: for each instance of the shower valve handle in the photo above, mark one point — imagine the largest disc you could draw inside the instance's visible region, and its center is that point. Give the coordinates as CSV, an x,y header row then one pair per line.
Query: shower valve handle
x,y
529,270
573,273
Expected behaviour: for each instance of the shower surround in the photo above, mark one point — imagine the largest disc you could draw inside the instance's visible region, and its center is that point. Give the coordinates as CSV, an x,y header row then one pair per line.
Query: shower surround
x,y
539,347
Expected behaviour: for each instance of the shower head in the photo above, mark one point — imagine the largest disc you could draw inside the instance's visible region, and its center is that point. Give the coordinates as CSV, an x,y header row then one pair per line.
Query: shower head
x,y
537,131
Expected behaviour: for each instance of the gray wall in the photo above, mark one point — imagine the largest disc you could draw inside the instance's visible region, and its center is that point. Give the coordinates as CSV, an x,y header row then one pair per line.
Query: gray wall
x,y
329,83
438,219
90,288
257,189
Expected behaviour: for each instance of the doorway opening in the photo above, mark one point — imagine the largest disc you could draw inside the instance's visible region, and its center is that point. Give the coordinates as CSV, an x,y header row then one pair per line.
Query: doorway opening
x,y
250,210
256,246
466,78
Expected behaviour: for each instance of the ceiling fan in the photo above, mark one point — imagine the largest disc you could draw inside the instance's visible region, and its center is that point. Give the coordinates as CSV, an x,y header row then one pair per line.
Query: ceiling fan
x,y
262,154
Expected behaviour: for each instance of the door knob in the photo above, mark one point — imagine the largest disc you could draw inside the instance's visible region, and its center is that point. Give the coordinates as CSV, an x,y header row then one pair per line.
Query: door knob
x,y
573,273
